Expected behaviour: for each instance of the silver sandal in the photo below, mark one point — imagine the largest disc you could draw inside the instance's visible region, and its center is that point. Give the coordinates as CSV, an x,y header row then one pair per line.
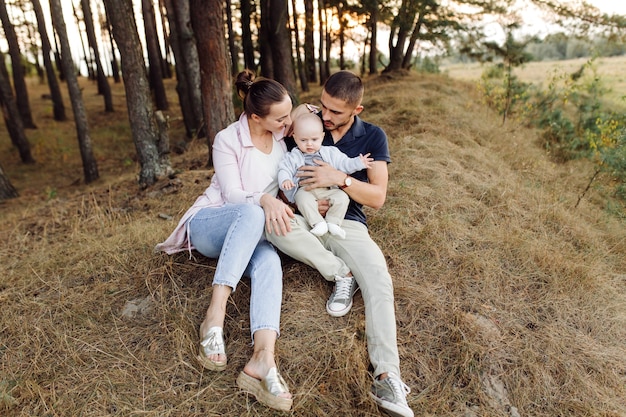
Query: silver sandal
x,y
267,390
213,344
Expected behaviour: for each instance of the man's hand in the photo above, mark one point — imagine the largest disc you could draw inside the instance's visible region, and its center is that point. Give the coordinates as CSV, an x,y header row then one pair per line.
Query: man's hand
x,y
323,206
319,176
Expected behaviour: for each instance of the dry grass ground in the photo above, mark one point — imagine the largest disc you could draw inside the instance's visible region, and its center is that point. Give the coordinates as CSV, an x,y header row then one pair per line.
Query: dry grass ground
x,y
509,301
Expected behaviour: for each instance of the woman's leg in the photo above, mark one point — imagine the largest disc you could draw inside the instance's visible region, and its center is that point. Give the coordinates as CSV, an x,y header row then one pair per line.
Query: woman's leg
x,y
262,359
229,233
266,281
266,288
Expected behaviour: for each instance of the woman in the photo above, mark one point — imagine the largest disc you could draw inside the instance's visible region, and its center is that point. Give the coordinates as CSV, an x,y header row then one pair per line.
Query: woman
x,y
227,222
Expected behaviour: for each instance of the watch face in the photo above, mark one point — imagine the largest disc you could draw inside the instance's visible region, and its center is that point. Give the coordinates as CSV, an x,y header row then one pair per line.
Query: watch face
x,y
347,182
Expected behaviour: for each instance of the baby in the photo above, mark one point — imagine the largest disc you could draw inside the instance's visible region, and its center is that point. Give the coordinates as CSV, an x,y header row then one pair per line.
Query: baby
x,y
308,133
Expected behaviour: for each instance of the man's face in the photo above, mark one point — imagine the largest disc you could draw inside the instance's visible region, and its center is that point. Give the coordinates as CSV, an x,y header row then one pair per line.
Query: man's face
x,y
336,113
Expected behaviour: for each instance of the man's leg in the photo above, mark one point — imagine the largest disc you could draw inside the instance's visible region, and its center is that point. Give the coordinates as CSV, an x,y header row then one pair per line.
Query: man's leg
x,y
369,267
303,246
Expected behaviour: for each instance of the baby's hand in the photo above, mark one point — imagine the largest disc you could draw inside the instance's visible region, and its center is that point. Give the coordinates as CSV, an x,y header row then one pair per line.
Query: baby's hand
x,y
287,185
367,161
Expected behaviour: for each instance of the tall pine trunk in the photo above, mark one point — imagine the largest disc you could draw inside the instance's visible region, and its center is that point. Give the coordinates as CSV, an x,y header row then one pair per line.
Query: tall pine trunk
x,y
304,81
58,108
280,40
309,42
149,134
373,56
207,19
232,46
90,167
246,35
6,188
12,117
187,67
155,59
103,84
19,83
265,46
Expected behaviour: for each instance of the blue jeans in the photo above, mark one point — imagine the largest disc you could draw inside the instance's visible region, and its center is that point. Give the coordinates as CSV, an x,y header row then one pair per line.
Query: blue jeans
x,y
234,234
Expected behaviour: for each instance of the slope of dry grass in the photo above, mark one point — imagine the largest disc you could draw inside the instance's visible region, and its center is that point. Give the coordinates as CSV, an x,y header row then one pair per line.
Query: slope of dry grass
x,y
509,301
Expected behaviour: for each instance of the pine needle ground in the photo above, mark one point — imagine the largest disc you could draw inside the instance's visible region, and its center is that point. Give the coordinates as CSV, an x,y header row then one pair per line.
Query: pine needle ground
x,y
509,301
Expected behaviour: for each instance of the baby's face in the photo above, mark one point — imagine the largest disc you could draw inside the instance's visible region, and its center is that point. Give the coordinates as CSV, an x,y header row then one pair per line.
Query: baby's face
x,y
308,137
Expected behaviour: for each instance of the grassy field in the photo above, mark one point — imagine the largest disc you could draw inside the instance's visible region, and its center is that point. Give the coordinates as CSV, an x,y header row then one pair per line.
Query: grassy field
x,y
509,301
609,69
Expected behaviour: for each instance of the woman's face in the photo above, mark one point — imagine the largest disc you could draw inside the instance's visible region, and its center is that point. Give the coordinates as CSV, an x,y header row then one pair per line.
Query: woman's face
x,y
278,116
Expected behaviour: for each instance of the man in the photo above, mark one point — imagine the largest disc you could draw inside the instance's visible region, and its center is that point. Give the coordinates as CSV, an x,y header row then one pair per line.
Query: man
x,y
340,106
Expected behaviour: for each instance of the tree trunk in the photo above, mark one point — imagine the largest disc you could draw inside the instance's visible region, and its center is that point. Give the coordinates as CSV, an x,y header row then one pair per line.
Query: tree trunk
x,y
103,84
86,52
304,82
246,35
166,66
402,25
6,188
322,35
58,108
19,83
373,58
328,41
184,98
207,19
150,137
309,42
280,40
265,47
408,55
342,35
114,65
155,59
32,45
90,167
12,117
232,46
187,67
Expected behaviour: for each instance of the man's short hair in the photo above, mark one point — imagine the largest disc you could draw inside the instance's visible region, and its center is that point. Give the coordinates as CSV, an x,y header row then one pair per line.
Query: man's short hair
x,y
345,86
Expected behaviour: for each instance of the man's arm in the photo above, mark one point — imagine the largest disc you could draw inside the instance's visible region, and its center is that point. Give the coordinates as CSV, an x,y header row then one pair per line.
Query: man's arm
x,y
371,194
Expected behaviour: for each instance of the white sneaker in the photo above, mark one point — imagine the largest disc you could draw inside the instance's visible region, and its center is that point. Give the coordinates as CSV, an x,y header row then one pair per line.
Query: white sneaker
x,y
336,230
390,395
320,229
340,301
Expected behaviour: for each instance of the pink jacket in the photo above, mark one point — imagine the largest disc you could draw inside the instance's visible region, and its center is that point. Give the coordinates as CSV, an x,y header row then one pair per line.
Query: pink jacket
x,y
236,180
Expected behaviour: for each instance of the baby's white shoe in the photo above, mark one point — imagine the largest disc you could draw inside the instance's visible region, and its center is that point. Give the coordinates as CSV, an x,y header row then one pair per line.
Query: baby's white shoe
x,y
320,229
336,230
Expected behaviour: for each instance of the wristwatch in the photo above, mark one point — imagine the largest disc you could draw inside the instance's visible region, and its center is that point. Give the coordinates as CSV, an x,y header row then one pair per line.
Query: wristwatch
x,y
346,182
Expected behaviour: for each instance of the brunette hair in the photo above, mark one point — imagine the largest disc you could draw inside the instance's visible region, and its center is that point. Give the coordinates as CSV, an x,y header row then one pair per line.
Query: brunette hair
x,y
345,86
257,93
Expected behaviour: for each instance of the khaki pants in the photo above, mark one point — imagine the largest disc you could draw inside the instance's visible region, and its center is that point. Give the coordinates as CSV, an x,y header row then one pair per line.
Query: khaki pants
x,y
307,204
361,255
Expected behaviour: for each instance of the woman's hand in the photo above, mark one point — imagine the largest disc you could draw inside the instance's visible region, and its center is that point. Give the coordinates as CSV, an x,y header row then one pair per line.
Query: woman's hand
x,y
277,215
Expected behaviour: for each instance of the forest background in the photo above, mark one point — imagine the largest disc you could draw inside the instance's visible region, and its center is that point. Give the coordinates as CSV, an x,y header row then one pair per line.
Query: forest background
x,y
503,227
